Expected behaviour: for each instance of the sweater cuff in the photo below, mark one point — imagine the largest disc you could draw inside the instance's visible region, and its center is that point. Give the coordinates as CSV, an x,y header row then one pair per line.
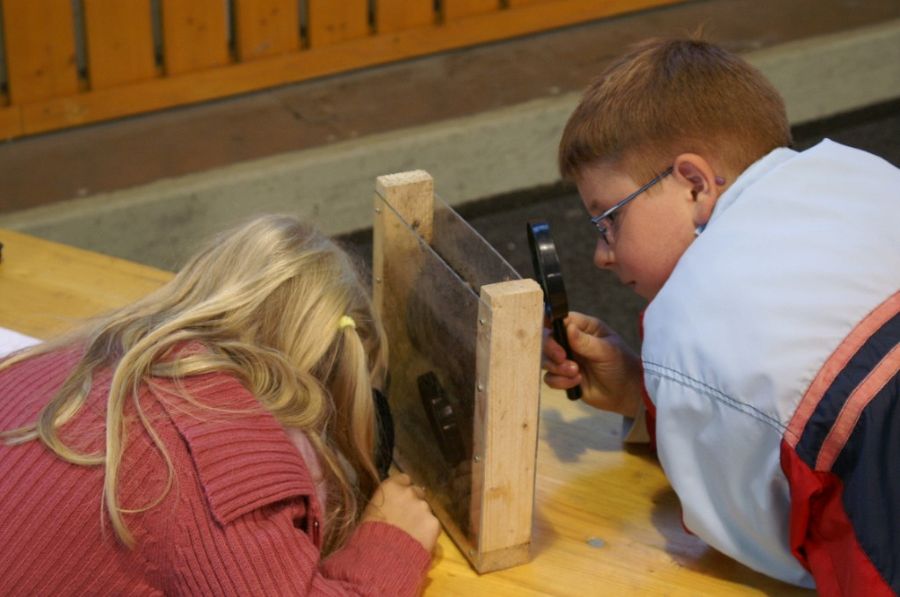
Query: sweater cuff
x,y
382,556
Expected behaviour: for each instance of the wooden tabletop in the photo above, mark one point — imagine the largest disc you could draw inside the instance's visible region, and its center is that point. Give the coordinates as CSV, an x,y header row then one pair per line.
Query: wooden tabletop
x,y
606,520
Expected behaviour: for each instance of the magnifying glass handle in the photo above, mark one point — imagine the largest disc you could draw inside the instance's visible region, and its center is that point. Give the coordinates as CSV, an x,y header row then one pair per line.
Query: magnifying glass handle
x,y
560,335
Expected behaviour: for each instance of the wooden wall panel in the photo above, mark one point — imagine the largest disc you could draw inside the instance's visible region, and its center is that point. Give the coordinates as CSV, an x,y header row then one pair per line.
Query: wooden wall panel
x,y
73,106
266,27
332,22
515,3
10,122
195,35
119,42
397,15
40,49
454,9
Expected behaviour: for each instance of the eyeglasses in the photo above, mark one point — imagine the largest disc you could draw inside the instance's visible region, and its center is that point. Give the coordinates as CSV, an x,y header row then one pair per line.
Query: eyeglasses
x,y
605,222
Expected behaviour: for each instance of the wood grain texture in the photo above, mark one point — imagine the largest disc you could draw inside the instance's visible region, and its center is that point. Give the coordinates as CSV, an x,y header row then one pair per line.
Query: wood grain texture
x,y
195,35
397,15
119,42
334,22
517,3
411,195
455,9
506,420
40,49
10,122
266,28
46,287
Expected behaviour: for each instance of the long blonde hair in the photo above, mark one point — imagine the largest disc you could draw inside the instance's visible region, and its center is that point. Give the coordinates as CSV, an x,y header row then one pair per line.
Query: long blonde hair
x,y
265,300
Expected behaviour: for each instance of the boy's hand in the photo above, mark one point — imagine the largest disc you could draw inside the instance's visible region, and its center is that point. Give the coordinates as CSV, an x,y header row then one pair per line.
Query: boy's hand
x,y
608,371
400,503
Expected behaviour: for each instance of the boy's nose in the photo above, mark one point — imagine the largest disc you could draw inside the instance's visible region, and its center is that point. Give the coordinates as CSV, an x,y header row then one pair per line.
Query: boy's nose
x,y
604,258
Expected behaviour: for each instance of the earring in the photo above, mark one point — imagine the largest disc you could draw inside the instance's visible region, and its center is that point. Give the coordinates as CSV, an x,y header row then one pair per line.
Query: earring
x,y
699,229
720,181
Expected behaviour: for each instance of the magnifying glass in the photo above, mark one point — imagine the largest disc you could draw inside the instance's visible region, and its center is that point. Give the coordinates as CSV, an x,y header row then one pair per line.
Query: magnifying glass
x,y
549,276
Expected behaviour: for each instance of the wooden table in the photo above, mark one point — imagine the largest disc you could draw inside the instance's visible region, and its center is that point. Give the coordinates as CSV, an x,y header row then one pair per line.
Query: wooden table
x,y
606,520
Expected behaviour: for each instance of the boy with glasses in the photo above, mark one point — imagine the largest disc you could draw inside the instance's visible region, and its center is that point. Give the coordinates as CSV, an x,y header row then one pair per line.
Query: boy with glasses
x,y
768,375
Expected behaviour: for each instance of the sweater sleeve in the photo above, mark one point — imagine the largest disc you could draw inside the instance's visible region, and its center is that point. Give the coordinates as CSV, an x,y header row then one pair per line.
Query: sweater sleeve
x,y
246,520
264,552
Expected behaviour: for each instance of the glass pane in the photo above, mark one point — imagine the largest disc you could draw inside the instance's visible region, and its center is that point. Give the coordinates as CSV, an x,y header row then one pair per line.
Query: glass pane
x,y
431,318
465,251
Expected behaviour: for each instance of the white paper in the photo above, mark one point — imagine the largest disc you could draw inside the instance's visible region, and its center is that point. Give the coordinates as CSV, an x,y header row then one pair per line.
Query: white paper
x,y
11,341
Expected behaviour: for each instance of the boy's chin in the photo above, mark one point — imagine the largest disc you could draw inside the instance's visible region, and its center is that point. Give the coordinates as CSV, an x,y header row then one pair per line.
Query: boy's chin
x,y
643,292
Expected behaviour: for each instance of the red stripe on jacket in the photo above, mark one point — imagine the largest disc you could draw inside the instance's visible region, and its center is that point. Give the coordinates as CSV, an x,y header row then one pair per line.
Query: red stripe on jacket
x,y
822,535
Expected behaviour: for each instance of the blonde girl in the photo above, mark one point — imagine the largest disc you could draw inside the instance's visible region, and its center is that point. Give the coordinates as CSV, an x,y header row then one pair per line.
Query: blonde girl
x,y
215,437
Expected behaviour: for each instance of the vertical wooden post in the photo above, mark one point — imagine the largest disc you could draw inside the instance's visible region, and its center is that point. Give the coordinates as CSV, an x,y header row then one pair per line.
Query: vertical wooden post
x,y
195,35
119,42
506,421
397,15
266,28
10,122
411,194
517,3
455,9
40,49
332,22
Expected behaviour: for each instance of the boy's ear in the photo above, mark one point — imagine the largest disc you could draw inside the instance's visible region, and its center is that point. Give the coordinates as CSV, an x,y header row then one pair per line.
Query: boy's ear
x,y
696,175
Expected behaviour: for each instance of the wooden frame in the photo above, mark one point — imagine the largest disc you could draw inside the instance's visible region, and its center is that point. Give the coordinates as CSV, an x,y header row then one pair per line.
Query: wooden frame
x,y
498,467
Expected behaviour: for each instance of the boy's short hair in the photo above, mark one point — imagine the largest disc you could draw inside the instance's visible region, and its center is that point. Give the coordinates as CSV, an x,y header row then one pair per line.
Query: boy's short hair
x,y
670,96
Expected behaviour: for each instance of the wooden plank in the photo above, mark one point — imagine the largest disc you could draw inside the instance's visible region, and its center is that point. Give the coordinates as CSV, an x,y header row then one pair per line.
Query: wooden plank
x,y
266,28
195,35
40,49
455,9
397,15
315,62
332,22
517,3
10,122
411,194
506,421
119,42
47,287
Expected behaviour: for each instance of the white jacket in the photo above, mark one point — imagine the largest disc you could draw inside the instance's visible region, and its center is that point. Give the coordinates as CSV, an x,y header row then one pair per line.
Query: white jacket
x,y
798,251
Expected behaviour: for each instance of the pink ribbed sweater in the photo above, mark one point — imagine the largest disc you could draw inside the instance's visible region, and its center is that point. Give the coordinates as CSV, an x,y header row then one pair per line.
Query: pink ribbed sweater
x,y
240,519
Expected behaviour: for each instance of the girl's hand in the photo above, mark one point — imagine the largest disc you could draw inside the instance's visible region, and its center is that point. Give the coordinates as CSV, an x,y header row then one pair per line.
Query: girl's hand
x,y
609,372
400,503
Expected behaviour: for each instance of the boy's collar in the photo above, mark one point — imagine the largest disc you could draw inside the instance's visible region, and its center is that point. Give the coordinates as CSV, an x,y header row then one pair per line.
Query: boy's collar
x,y
755,171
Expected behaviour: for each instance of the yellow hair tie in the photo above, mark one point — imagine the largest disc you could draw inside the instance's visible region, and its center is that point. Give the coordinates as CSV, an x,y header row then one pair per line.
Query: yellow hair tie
x,y
346,322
